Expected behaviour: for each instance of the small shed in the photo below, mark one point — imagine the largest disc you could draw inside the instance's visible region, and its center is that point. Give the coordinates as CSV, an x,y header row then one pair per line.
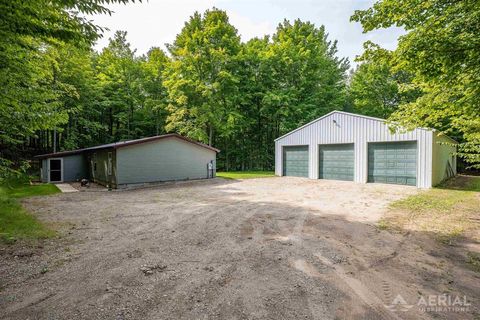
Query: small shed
x,y
153,159
352,147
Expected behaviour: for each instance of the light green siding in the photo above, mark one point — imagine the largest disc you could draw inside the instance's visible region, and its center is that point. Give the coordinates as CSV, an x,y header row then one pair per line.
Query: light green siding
x,y
162,160
99,172
393,162
336,162
444,159
295,161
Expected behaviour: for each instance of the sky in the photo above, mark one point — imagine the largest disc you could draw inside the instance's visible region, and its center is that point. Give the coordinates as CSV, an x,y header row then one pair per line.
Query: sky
x,y
156,22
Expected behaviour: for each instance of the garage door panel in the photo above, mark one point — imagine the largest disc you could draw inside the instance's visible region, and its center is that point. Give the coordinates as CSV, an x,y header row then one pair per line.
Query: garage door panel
x,y
295,161
411,181
392,162
336,162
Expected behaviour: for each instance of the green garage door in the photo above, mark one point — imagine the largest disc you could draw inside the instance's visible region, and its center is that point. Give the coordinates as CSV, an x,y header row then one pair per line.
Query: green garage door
x,y
295,161
393,162
336,162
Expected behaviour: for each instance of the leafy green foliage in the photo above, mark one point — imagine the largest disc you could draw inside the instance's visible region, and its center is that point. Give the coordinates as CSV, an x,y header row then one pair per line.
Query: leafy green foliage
x,y
156,96
31,94
285,82
118,76
211,87
377,90
200,78
441,51
309,78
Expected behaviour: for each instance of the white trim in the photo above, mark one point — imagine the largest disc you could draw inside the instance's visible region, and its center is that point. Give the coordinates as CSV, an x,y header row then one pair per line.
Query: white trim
x,y
345,113
61,169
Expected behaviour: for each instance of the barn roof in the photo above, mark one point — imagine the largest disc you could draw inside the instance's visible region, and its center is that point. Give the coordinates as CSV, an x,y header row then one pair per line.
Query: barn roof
x,y
121,144
353,115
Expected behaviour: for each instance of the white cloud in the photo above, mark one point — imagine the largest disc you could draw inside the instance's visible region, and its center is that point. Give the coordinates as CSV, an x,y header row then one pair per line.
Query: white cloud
x,y
157,22
149,24
248,29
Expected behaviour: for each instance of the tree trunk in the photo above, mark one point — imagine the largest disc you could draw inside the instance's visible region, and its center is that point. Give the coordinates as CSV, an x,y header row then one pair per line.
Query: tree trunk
x,y
227,164
210,135
110,116
156,121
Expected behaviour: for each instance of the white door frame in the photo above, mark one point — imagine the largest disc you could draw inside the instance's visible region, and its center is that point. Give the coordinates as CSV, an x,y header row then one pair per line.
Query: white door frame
x,y
61,169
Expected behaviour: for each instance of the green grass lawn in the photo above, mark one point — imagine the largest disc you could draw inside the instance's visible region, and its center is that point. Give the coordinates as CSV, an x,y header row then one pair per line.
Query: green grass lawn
x,y
15,221
448,211
245,174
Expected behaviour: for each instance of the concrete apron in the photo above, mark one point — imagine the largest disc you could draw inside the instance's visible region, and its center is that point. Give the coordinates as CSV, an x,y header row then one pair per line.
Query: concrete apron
x,y
66,188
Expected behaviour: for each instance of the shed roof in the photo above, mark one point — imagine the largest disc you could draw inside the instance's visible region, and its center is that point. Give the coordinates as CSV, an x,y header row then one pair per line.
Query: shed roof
x,y
353,115
116,145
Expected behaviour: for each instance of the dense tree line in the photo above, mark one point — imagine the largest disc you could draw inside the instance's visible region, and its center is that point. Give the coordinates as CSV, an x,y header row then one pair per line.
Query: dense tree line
x,y
33,93
211,86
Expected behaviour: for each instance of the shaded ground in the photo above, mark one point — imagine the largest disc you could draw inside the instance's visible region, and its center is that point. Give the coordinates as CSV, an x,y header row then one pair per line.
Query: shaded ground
x,y
276,248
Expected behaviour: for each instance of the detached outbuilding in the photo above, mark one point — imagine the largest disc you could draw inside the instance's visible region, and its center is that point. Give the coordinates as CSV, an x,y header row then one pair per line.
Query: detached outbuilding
x,y
352,147
154,159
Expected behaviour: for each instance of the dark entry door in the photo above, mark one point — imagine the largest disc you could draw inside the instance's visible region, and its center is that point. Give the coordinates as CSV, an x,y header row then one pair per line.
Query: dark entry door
x,y
55,170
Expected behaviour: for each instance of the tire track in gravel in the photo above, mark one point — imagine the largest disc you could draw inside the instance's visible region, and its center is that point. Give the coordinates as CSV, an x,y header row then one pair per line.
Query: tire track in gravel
x,y
361,291
233,251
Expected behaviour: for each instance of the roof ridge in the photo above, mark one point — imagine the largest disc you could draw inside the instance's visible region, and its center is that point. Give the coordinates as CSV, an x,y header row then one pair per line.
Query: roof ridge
x,y
341,112
120,144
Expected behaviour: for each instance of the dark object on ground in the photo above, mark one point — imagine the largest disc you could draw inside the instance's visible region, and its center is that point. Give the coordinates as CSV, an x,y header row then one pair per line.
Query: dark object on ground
x,y
84,183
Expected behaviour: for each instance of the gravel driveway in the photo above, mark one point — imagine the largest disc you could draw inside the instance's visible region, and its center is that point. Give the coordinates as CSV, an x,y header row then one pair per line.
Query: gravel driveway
x,y
274,248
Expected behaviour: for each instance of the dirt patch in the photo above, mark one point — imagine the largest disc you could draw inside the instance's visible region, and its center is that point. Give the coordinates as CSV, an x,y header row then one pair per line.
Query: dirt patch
x,y
282,248
450,213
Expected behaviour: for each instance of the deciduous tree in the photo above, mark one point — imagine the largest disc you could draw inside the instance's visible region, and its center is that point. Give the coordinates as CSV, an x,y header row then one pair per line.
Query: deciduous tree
x,y
441,50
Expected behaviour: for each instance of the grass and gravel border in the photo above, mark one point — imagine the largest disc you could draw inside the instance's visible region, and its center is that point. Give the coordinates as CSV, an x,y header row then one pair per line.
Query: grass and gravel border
x,y
448,211
15,222
245,174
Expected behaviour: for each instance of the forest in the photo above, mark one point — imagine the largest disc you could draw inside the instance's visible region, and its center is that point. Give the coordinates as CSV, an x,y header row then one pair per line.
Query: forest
x,y
56,91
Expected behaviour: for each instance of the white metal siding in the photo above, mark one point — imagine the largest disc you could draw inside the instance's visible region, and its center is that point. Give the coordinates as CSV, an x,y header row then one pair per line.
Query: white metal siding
x,y
360,130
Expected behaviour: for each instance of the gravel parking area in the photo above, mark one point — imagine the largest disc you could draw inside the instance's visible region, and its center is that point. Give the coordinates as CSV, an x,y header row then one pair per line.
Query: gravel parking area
x,y
273,248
